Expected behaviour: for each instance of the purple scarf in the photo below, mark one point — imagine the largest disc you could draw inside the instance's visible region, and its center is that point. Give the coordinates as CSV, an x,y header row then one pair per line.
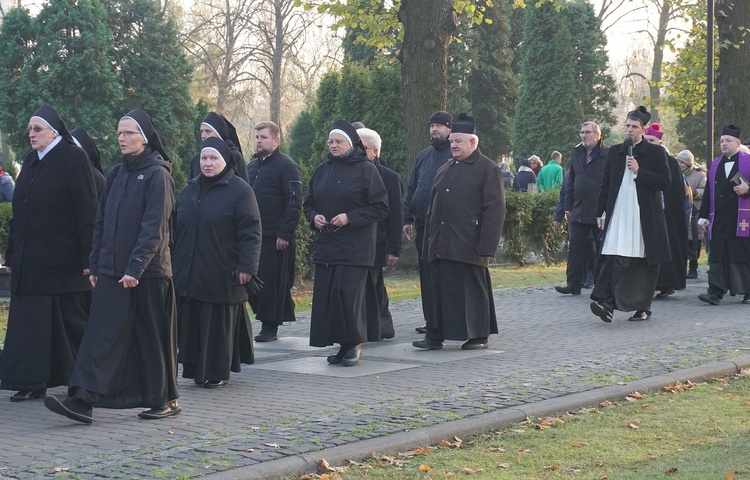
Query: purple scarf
x,y
743,210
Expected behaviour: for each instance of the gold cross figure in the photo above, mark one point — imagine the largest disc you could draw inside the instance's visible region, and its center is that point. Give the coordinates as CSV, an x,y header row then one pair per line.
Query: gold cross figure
x,y
744,225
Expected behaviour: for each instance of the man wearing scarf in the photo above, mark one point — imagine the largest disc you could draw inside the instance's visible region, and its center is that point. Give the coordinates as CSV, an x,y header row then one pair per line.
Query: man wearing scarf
x,y
636,174
725,213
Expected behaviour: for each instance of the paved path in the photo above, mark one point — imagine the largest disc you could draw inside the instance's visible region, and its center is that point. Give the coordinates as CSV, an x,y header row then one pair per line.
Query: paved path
x,y
291,401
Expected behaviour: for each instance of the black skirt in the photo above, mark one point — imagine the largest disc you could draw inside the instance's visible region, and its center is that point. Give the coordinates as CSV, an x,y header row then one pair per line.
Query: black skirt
x,y
274,304
128,356
460,301
44,333
379,318
339,305
214,339
626,283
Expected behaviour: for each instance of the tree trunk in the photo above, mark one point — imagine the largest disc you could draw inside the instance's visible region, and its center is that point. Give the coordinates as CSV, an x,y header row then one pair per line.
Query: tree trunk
x,y
428,26
278,57
732,93
661,36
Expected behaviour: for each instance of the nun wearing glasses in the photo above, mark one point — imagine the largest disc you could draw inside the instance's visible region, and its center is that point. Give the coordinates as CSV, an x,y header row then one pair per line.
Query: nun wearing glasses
x,y
128,356
54,209
216,253
345,200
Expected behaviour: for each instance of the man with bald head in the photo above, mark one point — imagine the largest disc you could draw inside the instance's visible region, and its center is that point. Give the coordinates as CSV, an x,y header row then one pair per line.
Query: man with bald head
x,y
462,231
725,214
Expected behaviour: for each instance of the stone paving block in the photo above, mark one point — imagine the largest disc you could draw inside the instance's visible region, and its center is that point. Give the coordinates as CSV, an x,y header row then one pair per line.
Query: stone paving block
x,y
298,344
321,367
451,352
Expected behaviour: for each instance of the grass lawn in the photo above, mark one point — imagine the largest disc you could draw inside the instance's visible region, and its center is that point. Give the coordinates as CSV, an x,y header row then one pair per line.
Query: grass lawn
x,y
693,432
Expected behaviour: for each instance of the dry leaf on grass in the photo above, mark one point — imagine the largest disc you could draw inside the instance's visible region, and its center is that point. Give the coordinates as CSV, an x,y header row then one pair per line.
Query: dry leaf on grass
x,y
580,444
272,445
61,469
455,444
424,468
671,471
729,475
495,449
471,471
504,465
552,467
633,426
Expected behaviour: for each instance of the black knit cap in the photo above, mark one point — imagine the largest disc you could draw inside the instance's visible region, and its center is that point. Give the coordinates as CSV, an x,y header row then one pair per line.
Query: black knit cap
x,y
149,131
220,146
732,131
49,115
463,124
223,127
441,117
350,131
88,146
641,114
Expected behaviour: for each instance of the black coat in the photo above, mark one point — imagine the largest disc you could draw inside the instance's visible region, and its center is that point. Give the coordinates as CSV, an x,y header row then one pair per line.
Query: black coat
x,y
467,211
54,209
239,165
389,228
217,234
653,179
132,227
277,183
724,222
349,184
422,177
582,186
522,180
672,274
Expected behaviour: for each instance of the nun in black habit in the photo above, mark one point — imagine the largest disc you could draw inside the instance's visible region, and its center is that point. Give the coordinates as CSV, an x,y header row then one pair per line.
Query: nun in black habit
x,y
216,252
217,125
54,209
128,356
84,141
345,200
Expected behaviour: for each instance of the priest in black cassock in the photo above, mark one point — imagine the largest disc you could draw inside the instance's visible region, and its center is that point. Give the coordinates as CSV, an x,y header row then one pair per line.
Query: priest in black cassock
x,y
636,173
462,232
725,213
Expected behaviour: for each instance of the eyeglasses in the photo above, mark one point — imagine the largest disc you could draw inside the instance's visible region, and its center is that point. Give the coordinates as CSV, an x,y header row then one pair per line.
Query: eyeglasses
x,y
336,142
127,134
35,129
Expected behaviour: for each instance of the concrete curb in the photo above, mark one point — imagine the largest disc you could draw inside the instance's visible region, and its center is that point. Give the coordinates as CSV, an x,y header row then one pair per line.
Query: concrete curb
x,y
404,441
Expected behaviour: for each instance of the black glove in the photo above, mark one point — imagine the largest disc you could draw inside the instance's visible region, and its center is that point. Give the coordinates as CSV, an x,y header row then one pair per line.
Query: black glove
x,y
254,286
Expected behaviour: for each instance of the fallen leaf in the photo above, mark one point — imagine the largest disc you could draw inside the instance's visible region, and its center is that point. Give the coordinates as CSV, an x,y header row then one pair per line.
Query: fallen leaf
x,y
495,449
324,465
729,475
424,468
552,467
633,426
636,395
580,444
249,450
449,474
170,432
61,469
671,471
272,445
504,465
645,405
304,477
469,471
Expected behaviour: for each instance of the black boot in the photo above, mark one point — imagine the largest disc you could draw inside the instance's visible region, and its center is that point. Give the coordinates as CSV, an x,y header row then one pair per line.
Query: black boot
x,y
268,333
692,269
352,355
336,359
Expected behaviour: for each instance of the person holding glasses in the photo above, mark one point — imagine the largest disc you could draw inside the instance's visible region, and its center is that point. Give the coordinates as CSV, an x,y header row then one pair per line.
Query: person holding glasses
x,y
128,355
581,193
54,209
345,200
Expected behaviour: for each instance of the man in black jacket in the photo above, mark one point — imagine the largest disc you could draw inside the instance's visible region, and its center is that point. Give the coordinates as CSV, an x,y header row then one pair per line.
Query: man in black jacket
x,y
581,191
420,185
387,245
277,183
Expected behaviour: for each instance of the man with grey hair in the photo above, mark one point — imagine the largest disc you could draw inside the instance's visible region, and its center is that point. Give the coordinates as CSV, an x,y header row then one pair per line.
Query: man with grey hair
x,y
387,245
462,230
696,179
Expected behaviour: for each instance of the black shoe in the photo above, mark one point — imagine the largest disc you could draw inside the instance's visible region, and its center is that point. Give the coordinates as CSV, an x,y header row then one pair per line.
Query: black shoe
x,y
475,344
568,288
588,280
428,343
72,408
422,329
664,293
169,409
709,298
640,316
601,311
691,274
352,355
266,336
336,359
746,298
24,395
214,383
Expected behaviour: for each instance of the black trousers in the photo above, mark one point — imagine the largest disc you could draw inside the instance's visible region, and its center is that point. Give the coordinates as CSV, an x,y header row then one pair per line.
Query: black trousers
x,y
581,251
424,266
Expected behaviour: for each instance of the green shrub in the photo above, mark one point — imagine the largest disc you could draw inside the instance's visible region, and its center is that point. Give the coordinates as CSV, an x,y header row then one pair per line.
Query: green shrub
x,y
6,213
528,226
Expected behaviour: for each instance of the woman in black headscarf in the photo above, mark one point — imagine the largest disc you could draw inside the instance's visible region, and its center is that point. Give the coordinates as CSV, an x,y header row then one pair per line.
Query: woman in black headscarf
x,y
128,356
215,125
344,202
216,252
82,139
54,209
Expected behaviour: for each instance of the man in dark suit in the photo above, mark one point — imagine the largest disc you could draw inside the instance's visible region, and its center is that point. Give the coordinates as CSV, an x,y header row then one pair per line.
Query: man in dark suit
x,y
636,173
581,192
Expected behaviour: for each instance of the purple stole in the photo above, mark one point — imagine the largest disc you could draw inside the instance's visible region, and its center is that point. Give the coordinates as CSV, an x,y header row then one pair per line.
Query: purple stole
x,y
743,210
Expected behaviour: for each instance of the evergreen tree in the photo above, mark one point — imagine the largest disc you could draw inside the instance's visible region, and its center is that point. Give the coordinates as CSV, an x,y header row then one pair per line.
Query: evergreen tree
x,y
324,112
596,86
350,101
302,136
384,113
462,56
492,85
548,111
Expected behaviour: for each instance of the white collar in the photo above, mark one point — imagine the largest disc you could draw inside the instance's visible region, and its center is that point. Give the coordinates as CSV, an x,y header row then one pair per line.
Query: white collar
x,y
50,147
